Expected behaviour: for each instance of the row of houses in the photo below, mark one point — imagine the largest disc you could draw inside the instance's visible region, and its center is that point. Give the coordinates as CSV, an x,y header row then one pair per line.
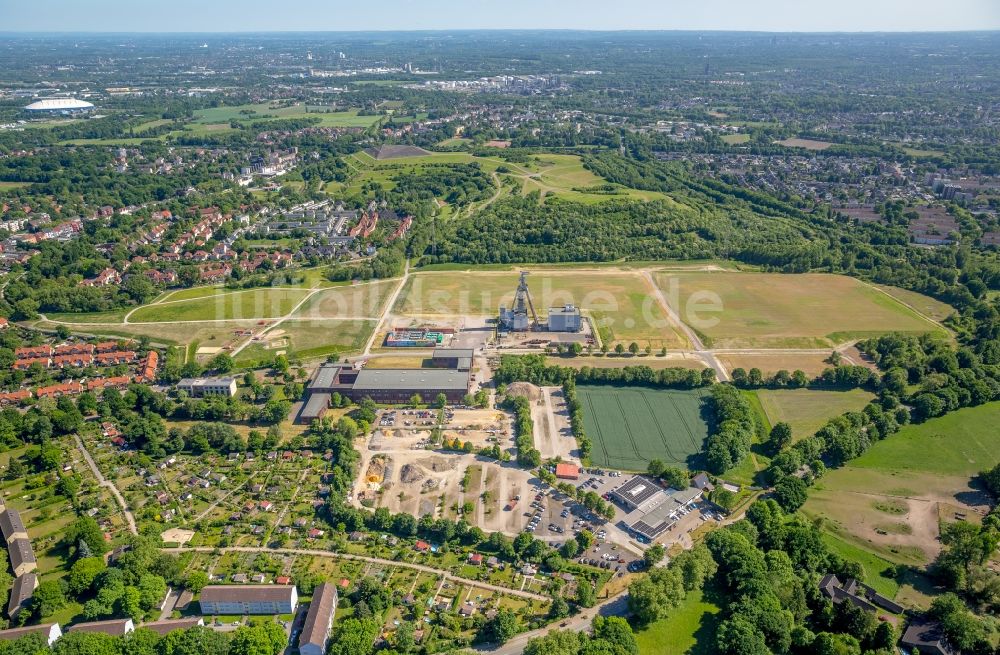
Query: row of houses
x,y
77,360
52,632
45,350
145,374
221,600
22,559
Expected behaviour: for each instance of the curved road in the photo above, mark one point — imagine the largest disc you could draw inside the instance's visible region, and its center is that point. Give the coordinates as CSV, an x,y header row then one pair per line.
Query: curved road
x,y
614,606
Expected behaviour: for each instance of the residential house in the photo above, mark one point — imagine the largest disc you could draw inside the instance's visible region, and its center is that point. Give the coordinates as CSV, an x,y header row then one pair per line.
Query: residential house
x,y
12,526
239,599
22,557
858,594
113,627
319,620
20,593
50,631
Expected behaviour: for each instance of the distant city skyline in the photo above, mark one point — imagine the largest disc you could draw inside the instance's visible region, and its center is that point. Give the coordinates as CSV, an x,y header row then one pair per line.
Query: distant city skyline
x,y
337,15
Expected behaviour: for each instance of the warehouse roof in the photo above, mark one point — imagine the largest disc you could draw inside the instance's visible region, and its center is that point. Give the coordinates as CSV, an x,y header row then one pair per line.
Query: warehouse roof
x,y
637,490
315,405
658,520
326,376
411,379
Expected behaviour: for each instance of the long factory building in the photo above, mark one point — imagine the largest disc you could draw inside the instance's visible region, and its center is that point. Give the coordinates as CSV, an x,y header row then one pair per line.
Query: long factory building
x,y
450,375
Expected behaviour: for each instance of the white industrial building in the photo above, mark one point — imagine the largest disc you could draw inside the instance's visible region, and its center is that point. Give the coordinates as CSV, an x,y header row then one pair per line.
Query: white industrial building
x,y
59,106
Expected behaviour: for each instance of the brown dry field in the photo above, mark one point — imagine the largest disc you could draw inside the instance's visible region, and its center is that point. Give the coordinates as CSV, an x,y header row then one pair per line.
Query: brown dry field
x,y
808,144
810,364
672,360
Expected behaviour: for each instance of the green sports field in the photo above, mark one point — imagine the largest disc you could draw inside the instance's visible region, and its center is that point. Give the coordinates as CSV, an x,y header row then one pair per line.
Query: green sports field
x,y
631,426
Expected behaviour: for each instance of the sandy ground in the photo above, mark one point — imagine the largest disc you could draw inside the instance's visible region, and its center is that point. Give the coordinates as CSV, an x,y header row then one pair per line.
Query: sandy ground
x,y
553,437
177,536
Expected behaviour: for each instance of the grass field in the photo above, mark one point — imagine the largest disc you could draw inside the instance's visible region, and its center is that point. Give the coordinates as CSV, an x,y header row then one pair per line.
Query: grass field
x,y
736,139
254,303
264,111
772,310
926,305
808,144
689,630
551,175
653,361
807,410
313,338
631,426
362,300
10,186
564,176
810,363
890,500
113,316
960,444
207,334
620,302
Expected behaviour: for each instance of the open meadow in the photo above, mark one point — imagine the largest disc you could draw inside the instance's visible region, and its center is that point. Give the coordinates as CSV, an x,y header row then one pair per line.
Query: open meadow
x,y
550,175
361,300
248,304
689,630
265,111
631,426
308,338
892,499
773,310
807,410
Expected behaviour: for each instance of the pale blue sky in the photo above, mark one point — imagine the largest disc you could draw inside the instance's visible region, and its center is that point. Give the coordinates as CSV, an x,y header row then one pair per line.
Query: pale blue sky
x,y
333,15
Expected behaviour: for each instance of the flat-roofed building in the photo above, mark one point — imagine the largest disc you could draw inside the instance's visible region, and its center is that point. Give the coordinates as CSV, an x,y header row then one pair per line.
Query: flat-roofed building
x,y
652,510
167,626
22,557
564,319
459,359
391,386
20,593
639,492
315,407
12,526
113,627
50,631
567,471
319,620
654,522
201,387
248,599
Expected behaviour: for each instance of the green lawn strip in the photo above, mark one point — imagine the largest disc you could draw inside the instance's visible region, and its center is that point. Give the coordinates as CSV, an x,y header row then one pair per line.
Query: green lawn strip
x,y
689,630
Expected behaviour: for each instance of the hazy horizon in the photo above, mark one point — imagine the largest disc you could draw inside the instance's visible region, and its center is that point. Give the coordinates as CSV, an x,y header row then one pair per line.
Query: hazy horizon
x,y
259,16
